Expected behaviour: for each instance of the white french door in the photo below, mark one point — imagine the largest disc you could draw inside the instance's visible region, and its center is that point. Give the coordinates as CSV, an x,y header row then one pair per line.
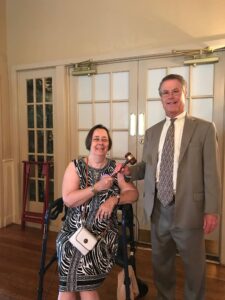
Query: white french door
x,y
124,97
36,98
108,98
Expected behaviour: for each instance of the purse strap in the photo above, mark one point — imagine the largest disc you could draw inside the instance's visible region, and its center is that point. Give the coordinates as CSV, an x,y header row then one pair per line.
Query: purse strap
x,y
84,212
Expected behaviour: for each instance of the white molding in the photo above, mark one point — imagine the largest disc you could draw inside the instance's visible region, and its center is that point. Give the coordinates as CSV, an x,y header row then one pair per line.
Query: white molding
x,y
10,205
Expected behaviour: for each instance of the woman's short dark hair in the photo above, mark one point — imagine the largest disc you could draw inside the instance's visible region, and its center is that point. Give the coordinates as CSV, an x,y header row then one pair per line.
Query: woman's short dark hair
x,y
89,137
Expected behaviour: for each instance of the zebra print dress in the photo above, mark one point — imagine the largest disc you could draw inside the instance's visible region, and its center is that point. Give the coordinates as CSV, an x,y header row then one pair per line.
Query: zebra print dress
x,y
78,272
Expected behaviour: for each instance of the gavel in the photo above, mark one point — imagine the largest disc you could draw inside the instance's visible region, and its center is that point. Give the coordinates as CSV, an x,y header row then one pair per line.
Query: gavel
x,y
129,159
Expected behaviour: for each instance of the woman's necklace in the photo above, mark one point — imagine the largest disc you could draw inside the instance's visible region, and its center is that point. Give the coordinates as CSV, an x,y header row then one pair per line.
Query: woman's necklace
x,y
96,165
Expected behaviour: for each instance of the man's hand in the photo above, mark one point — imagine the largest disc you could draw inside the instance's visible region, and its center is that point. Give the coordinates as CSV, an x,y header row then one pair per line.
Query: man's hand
x,y
125,170
210,223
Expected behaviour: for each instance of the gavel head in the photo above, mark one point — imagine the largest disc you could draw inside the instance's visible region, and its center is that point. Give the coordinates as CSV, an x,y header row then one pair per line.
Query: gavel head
x,y
130,158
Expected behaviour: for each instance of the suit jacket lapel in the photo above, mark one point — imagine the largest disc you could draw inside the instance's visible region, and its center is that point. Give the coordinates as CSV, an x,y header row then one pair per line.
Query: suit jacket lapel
x,y
189,126
156,138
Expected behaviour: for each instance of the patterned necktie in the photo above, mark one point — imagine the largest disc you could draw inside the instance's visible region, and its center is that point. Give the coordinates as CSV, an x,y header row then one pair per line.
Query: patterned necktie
x,y
165,184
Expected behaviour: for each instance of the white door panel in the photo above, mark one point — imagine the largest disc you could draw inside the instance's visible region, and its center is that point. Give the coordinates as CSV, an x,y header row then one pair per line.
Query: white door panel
x,y
36,97
200,102
107,98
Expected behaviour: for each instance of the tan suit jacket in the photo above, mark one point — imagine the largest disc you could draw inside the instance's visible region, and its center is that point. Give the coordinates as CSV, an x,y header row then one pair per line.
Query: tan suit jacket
x,y
198,179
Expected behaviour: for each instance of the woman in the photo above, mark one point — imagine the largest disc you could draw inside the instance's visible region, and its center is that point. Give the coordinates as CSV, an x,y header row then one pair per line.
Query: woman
x,y
88,186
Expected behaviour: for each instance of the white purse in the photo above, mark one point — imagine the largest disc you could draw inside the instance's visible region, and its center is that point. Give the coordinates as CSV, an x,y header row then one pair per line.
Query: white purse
x,y
83,240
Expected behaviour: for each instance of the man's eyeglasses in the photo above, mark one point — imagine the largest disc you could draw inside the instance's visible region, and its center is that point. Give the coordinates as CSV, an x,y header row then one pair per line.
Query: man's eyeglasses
x,y
102,140
166,93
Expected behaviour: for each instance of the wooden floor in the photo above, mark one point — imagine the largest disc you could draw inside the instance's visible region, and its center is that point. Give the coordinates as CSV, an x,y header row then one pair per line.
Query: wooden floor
x,y
20,253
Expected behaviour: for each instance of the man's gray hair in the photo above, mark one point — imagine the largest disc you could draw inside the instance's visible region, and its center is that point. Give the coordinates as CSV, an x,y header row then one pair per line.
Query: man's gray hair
x,y
173,77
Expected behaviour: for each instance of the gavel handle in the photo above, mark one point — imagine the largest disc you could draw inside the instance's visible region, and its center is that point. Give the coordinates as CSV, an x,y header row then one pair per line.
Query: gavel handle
x,y
115,174
123,165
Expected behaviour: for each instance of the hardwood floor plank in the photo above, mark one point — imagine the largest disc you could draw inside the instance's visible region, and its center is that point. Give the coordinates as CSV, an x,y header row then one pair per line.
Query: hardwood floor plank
x,y
20,254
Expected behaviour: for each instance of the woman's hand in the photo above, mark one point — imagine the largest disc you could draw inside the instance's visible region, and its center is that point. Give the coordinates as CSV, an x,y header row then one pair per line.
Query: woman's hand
x,y
104,183
106,209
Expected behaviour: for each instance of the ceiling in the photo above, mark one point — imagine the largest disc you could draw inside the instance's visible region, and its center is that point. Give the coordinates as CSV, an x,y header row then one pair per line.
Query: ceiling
x,y
52,30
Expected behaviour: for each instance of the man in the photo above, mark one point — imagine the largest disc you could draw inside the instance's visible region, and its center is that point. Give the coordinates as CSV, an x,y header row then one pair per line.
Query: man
x,y
179,221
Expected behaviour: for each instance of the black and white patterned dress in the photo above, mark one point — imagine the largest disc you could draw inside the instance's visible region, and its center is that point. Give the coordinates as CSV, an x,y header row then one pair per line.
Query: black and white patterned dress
x,y
78,272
